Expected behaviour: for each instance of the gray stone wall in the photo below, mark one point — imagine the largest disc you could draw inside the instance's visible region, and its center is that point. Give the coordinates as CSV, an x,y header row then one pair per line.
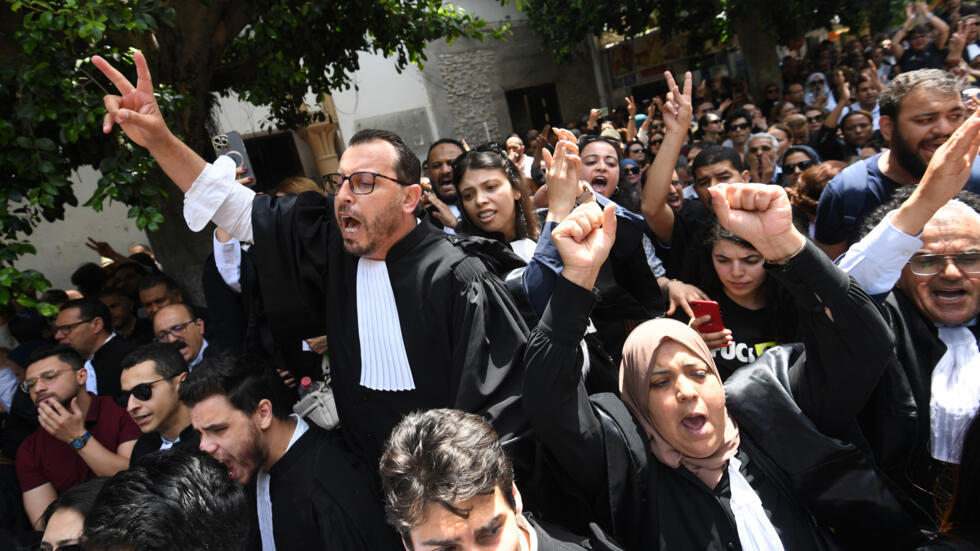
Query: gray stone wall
x,y
467,77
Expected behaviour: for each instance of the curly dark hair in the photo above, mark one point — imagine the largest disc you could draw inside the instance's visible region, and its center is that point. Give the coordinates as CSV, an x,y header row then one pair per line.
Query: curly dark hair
x,y
443,456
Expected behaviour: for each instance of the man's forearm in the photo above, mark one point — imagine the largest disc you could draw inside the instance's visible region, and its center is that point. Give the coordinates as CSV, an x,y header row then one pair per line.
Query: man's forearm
x,y
179,162
102,461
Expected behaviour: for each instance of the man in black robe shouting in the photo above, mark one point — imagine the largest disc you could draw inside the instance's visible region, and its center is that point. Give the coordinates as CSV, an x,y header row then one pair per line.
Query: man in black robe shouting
x,y
413,321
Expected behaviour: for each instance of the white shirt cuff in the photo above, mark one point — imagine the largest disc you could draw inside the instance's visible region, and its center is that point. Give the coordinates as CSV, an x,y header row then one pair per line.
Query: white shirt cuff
x,y
228,259
876,262
215,195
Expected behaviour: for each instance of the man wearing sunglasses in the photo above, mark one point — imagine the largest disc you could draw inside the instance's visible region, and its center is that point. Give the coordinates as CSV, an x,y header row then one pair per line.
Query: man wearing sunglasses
x,y
81,435
923,257
151,378
414,319
738,127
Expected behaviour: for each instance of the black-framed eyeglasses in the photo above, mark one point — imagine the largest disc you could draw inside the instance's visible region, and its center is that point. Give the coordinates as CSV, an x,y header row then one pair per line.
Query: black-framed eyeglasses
x,y
739,126
818,118
802,165
69,327
47,377
632,170
932,264
69,547
142,392
174,331
361,183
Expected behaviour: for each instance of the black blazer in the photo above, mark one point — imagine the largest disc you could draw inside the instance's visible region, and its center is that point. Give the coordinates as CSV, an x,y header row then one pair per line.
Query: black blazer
x,y
106,361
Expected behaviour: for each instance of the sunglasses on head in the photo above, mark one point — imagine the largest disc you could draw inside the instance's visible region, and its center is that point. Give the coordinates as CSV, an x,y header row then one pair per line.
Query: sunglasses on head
x,y
142,392
802,165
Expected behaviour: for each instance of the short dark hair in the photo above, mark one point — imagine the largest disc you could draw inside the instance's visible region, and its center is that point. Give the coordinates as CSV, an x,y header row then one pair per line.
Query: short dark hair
x,y
443,456
714,154
63,352
890,99
79,498
153,280
115,291
91,308
170,500
244,379
735,115
442,141
525,223
89,278
407,165
167,361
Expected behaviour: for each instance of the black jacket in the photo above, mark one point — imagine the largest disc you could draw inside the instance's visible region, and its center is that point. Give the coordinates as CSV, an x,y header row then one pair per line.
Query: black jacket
x,y
809,480
106,361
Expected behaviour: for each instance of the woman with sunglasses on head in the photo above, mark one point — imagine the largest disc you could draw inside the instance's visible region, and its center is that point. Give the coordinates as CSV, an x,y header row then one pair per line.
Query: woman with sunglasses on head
x,y
689,463
495,200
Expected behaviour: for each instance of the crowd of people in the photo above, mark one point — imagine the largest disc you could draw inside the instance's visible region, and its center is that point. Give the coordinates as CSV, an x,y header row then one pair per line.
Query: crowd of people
x,y
721,324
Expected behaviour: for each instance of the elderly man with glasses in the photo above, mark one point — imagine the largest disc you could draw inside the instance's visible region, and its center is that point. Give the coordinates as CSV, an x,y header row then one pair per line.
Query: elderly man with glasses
x,y
923,258
80,436
414,319
176,324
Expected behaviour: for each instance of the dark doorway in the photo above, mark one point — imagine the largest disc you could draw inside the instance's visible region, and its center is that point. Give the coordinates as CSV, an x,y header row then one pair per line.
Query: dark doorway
x,y
533,107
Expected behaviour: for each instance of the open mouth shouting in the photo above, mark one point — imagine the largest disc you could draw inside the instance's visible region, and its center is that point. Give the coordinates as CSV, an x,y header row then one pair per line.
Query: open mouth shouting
x,y
486,215
695,423
350,226
599,185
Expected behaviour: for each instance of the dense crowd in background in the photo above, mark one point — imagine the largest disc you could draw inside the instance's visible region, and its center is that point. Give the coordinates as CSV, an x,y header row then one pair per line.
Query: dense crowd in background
x,y
701,320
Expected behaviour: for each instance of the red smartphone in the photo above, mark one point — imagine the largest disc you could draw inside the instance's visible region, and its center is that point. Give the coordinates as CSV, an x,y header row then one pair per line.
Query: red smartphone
x,y
708,308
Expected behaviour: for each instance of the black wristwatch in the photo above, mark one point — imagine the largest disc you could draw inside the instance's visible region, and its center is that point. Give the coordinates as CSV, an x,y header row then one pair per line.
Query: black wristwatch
x,y
79,442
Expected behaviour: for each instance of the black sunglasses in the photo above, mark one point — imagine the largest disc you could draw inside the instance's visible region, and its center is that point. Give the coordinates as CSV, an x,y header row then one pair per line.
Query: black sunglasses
x,y
802,165
632,170
818,118
142,392
657,142
741,126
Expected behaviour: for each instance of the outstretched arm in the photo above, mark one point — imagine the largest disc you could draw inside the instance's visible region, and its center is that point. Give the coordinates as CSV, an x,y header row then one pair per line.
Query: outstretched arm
x,y
136,111
677,120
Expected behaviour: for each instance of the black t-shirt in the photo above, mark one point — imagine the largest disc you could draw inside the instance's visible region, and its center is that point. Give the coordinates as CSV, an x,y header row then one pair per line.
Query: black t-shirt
x,y
929,57
753,331
690,223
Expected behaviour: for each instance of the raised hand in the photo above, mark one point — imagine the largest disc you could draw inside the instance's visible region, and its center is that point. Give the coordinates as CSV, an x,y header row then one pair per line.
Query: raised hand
x,y
760,214
562,177
135,110
677,110
631,106
583,240
103,248
63,424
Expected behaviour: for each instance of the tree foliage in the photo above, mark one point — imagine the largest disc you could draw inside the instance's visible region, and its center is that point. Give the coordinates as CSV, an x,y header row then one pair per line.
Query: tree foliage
x,y
565,22
270,52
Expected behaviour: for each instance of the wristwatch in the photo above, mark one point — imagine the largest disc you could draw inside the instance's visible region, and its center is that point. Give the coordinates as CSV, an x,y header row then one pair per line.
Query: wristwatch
x,y
79,442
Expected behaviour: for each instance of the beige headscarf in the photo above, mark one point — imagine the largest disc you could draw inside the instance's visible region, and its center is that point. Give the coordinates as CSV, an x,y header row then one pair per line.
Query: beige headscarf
x,y
639,355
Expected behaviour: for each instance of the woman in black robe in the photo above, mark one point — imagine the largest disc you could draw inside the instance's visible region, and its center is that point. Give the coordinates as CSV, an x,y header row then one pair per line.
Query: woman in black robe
x,y
688,464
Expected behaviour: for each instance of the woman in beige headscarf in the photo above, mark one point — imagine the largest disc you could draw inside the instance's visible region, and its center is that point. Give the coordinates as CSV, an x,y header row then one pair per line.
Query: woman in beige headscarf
x,y
691,464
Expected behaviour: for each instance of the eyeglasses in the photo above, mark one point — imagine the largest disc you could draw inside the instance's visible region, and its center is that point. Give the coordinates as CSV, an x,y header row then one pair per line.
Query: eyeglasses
x,y
47,377
636,150
361,183
656,126
818,118
740,126
69,327
932,264
142,392
174,331
802,165
657,142
632,170
69,547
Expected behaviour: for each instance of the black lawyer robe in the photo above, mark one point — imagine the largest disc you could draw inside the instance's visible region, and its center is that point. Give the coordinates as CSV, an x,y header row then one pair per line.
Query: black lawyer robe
x,y
806,478
107,362
463,334
323,497
150,442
